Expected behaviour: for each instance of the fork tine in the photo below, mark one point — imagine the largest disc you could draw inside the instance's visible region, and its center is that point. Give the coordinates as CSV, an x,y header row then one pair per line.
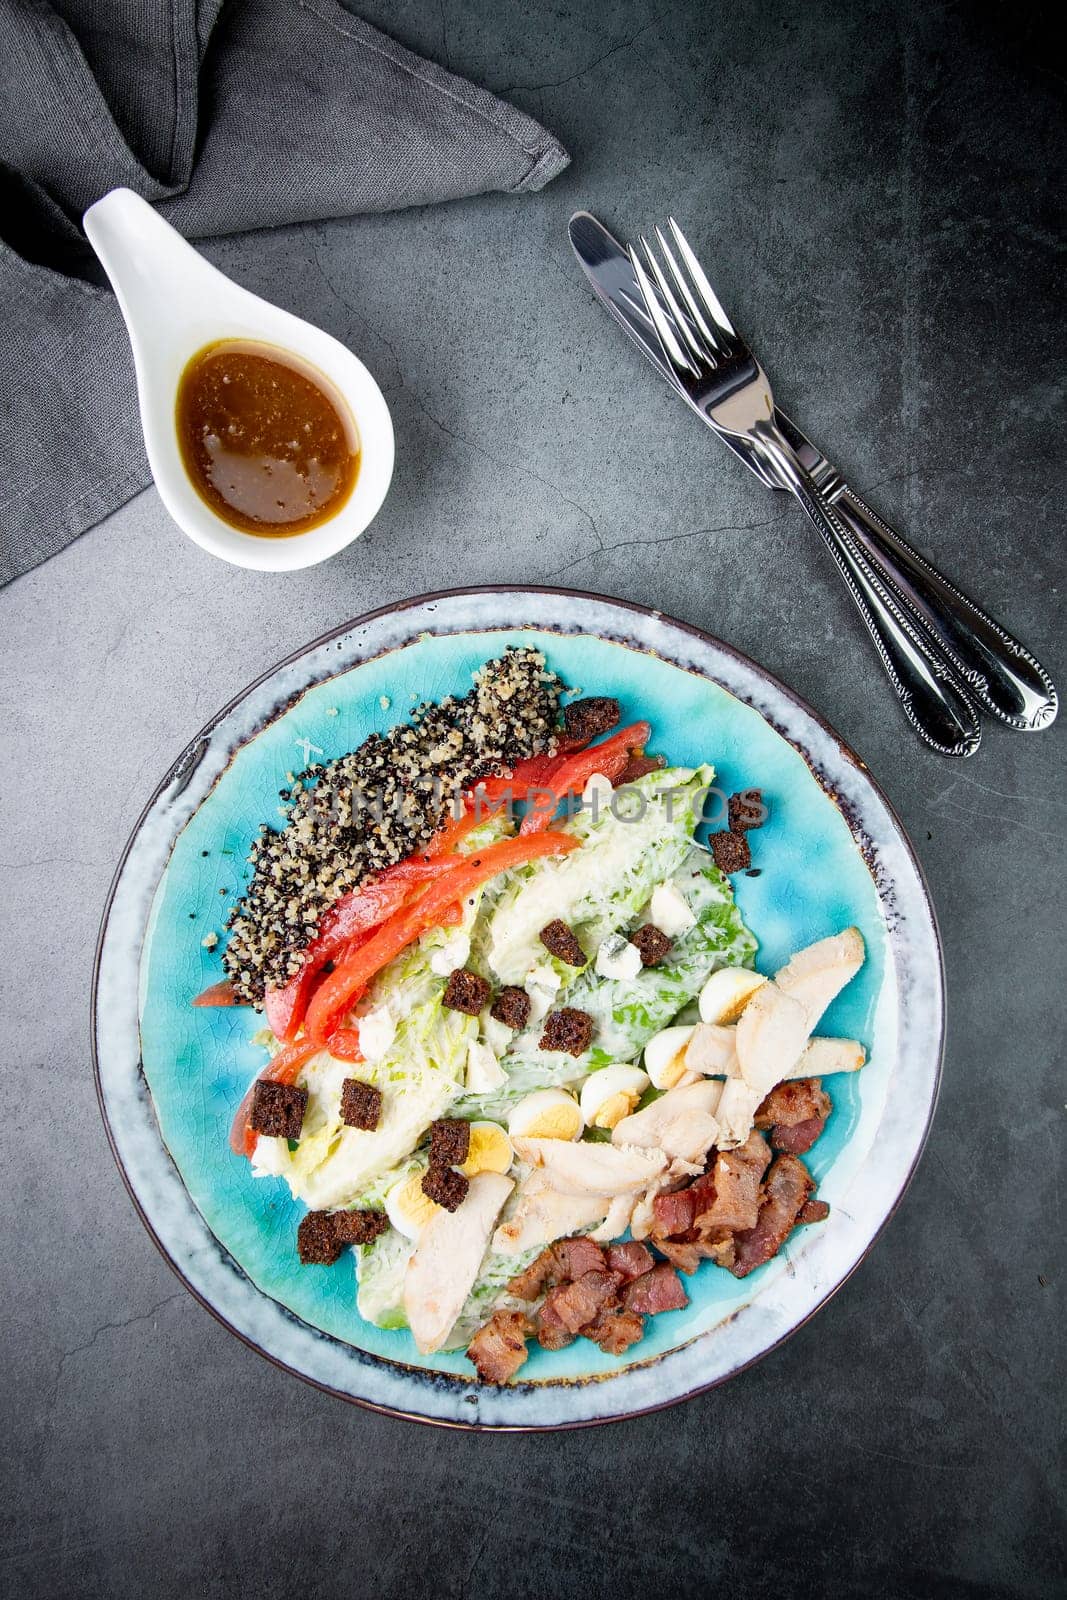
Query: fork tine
x,y
704,289
682,285
681,326
672,349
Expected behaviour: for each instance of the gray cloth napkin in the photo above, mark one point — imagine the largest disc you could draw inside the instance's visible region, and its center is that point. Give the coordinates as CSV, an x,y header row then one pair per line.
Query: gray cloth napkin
x,y
227,117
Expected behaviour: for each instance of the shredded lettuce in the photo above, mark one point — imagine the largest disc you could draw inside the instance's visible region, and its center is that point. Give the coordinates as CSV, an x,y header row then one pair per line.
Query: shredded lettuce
x,y
381,1267
600,887
419,1075
627,1012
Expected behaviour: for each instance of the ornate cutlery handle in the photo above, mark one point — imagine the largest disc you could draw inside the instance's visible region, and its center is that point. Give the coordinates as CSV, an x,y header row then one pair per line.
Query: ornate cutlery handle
x,y
932,700
1002,676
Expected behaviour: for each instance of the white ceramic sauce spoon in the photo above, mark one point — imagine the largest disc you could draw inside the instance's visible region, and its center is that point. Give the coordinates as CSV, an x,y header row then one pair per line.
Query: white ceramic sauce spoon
x,y
175,303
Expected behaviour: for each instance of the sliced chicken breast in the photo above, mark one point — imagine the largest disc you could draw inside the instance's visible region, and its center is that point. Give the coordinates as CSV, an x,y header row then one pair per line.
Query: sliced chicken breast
x,y
542,1214
817,974
442,1270
681,1123
821,1057
771,1035
595,1169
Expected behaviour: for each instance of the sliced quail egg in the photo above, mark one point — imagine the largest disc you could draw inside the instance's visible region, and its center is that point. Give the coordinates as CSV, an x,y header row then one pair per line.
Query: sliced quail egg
x,y
547,1114
670,911
490,1150
618,958
408,1209
727,993
665,1055
610,1094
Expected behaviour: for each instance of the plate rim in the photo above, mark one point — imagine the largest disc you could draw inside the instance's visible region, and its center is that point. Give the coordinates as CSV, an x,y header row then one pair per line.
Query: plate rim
x,y
703,636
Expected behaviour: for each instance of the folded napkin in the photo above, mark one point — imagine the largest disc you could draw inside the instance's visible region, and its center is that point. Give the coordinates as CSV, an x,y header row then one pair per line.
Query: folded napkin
x,y
226,117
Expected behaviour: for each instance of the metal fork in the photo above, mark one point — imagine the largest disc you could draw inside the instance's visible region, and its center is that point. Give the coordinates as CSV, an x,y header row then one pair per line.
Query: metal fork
x,y
723,380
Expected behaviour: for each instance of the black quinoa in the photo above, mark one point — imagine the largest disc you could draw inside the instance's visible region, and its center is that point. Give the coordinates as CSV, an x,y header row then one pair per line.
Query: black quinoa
x,y
365,811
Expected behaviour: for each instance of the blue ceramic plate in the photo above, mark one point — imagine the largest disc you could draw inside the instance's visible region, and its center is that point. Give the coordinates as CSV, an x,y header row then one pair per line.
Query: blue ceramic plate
x,y
170,1076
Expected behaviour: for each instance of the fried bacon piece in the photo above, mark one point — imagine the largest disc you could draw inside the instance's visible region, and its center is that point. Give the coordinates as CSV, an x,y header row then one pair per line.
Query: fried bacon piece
x,y
655,1291
552,1331
615,1331
498,1349
727,1197
577,1304
785,1193
572,1258
630,1259
795,1113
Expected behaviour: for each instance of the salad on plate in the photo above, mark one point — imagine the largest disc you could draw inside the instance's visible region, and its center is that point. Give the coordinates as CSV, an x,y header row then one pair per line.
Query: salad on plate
x,y
519,1056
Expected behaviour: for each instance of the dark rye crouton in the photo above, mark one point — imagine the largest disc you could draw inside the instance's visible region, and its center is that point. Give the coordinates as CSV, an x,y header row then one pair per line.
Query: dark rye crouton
x,y
652,943
561,941
465,991
358,1227
361,1104
568,1030
278,1109
584,719
512,1007
731,851
317,1242
450,1142
446,1187
746,810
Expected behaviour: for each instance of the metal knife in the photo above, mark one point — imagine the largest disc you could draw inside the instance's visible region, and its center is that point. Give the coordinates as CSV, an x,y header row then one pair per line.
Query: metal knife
x,y
1000,674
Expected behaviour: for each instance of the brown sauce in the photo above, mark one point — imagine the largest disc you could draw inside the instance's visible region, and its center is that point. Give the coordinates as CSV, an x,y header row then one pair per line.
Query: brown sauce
x,y
265,442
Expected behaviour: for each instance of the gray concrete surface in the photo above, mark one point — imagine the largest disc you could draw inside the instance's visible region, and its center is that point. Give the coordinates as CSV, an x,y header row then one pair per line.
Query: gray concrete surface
x,y
875,187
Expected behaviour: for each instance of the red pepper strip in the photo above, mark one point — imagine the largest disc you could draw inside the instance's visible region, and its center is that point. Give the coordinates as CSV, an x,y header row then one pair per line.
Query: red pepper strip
x,y
445,840
285,1068
218,994
610,758
344,1045
354,916
360,912
533,773
353,974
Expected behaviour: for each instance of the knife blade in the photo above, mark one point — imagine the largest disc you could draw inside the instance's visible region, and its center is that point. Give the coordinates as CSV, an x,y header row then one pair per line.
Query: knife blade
x,y
611,277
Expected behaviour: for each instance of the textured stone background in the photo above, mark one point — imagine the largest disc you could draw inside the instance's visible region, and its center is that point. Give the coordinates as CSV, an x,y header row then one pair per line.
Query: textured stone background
x,y
874,187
